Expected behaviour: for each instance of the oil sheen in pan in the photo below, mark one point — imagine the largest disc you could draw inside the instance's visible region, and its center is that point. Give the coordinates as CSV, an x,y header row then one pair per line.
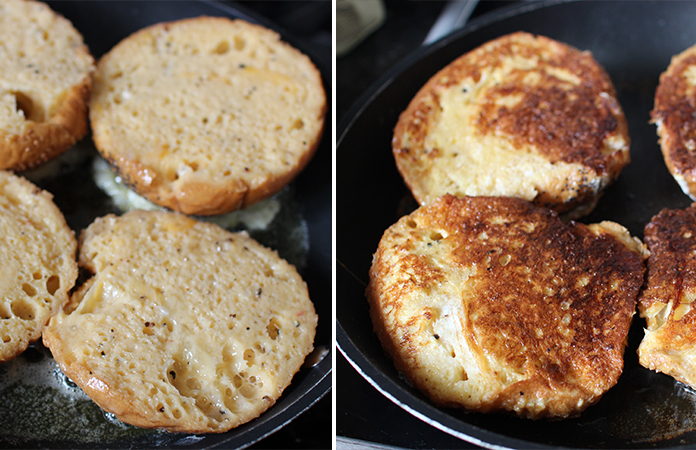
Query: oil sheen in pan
x,y
663,411
47,406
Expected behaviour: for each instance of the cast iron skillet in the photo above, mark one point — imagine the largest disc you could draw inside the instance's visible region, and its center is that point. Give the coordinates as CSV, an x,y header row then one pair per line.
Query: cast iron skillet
x,y
634,41
29,417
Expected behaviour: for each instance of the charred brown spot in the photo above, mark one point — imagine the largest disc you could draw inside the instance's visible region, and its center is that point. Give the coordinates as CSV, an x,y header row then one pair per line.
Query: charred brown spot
x,y
531,278
675,106
568,124
671,239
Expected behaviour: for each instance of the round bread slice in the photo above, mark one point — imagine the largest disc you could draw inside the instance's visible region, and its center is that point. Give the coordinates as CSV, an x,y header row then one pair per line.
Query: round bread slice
x,y
521,116
673,113
207,115
493,304
184,326
37,262
666,302
45,83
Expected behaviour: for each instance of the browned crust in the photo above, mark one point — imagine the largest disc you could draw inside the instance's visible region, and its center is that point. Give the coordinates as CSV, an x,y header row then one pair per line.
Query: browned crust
x,y
200,198
509,304
564,124
674,111
571,198
41,141
671,239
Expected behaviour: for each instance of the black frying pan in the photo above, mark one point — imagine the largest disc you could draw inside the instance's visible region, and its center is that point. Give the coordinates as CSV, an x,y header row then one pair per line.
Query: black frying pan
x,y
634,41
35,415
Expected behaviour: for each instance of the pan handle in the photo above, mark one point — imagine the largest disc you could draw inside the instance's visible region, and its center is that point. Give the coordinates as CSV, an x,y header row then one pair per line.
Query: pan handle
x,y
454,16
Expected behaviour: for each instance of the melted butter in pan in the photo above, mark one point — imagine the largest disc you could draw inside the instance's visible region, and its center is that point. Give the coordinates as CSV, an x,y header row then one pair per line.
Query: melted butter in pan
x,y
256,217
275,222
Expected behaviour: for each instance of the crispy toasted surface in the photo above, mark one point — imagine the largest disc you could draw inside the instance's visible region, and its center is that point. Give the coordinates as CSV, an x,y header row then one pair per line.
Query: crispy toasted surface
x,y
669,344
45,83
673,112
207,115
522,116
37,262
493,304
184,326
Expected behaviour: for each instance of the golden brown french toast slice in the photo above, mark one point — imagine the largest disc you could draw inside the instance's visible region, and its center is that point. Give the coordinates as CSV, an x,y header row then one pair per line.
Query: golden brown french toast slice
x,y
521,116
494,304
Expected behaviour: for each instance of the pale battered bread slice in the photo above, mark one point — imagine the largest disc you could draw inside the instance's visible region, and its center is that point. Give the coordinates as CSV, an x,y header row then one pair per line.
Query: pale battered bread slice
x,y
45,83
674,114
666,302
521,116
207,115
184,326
37,262
493,304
